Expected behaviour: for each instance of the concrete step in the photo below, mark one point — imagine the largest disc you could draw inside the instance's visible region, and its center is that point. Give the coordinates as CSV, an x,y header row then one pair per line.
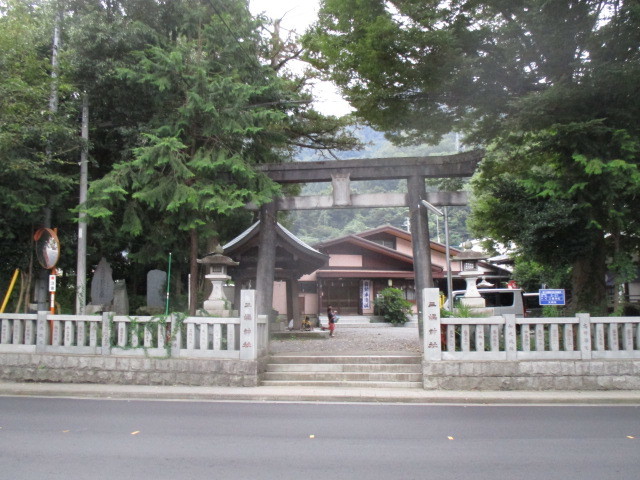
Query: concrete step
x,y
356,370
343,376
341,324
375,325
346,359
338,383
346,367
359,321
355,319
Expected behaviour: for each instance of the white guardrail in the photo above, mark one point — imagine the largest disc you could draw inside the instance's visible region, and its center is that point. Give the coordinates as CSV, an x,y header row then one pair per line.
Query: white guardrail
x,y
510,338
244,337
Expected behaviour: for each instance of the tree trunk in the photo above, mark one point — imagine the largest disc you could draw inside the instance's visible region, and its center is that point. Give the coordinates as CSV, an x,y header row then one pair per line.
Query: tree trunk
x,y
193,271
588,279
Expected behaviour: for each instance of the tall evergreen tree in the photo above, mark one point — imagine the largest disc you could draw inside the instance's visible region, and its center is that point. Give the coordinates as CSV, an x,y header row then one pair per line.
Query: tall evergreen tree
x,y
36,145
547,87
217,109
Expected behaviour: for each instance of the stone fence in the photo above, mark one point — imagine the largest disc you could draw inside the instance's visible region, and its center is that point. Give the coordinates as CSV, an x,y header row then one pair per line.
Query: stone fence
x,y
148,349
505,352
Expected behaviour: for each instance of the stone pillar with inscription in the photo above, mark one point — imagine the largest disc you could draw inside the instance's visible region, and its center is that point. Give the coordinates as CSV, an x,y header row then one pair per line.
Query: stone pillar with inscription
x,y
248,325
432,327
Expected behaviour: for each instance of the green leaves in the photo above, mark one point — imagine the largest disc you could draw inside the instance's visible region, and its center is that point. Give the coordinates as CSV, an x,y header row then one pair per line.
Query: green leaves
x,y
391,304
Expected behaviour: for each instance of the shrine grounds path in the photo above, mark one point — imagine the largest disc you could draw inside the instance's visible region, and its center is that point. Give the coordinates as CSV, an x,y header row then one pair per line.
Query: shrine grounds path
x,y
354,340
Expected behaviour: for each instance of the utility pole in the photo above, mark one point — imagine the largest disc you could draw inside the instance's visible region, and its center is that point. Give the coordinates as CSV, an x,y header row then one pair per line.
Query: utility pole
x,y
81,268
448,254
41,283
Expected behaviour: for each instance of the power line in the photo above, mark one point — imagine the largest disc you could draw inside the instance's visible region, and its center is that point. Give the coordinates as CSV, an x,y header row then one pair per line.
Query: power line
x,y
233,34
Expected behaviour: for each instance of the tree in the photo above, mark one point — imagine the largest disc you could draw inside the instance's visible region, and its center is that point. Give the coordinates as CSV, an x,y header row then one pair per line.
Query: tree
x,y
35,145
547,87
217,110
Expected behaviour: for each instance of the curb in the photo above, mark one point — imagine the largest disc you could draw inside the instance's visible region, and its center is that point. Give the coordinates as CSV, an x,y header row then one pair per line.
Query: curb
x,y
318,395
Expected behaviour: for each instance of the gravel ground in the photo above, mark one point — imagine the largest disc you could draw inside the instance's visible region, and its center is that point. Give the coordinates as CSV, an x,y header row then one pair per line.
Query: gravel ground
x,y
355,340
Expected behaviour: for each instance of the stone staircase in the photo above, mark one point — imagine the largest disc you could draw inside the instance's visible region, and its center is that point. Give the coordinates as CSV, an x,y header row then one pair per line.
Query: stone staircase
x,y
359,321
363,370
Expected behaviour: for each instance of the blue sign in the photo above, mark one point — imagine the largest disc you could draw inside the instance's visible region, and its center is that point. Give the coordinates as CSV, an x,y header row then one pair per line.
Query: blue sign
x,y
552,296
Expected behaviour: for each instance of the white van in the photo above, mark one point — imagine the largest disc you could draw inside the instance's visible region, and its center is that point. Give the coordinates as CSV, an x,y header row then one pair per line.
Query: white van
x,y
502,300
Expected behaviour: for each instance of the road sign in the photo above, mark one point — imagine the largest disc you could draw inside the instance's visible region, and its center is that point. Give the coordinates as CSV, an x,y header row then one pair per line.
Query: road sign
x,y
550,296
52,283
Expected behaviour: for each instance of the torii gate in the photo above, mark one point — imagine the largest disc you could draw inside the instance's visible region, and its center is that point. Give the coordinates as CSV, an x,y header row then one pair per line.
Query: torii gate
x,y
340,173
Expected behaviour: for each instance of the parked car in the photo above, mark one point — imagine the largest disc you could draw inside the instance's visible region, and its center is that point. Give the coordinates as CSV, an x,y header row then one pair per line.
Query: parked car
x,y
502,300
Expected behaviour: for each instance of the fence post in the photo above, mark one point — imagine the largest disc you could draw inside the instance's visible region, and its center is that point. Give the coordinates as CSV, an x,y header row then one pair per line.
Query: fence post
x,y
106,333
431,322
510,346
176,336
584,337
42,332
248,325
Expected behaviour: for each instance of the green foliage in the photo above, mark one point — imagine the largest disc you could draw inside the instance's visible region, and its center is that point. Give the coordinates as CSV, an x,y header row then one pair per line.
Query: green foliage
x,y
185,97
36,145
392,305
531,275
547,87
550,311
170,324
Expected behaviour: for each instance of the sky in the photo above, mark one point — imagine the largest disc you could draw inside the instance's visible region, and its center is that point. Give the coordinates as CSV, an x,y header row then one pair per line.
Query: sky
x,y
297,15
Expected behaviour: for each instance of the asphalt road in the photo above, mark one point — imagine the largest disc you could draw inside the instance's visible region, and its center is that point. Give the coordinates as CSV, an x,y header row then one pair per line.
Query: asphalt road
x,y
43,438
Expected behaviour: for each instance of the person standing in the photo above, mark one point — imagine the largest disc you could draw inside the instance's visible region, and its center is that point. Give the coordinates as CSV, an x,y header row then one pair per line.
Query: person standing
x,y
331,316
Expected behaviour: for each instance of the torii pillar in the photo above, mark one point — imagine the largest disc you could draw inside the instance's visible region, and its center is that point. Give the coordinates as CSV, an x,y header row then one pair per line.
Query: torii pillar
x,y
266,267
420,241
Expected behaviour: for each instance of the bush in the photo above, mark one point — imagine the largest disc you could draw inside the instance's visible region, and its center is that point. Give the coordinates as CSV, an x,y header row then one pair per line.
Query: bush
x,y
392,305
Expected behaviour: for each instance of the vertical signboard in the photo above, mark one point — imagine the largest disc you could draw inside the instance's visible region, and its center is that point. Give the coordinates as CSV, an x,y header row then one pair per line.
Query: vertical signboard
x,y
431,322
248,325
366,295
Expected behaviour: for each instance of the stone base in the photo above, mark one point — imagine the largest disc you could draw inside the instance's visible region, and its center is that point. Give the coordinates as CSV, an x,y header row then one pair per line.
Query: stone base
x,y
129,370
93,309
533,375
300,334
473,302
219,313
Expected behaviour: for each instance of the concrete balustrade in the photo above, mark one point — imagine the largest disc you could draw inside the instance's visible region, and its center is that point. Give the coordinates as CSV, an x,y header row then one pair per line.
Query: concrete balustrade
x,y
510,338
505,352
120,335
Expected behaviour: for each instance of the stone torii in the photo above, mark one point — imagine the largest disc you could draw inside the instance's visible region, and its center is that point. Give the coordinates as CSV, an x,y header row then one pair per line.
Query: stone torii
x,y
340,173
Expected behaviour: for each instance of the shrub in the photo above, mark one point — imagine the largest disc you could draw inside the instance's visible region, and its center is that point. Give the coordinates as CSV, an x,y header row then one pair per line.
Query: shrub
x,y
392,305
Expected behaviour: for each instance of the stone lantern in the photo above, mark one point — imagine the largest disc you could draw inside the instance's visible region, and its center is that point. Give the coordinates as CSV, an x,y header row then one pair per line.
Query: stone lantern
x,y
469,271
217,303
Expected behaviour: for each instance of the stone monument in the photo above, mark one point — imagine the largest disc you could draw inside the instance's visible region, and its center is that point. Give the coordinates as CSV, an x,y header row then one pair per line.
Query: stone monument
x,y
102,288
102,285
156,288
217,304
120,298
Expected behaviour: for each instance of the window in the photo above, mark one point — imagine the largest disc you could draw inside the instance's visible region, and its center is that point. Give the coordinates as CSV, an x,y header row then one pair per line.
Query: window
x,y
389,243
